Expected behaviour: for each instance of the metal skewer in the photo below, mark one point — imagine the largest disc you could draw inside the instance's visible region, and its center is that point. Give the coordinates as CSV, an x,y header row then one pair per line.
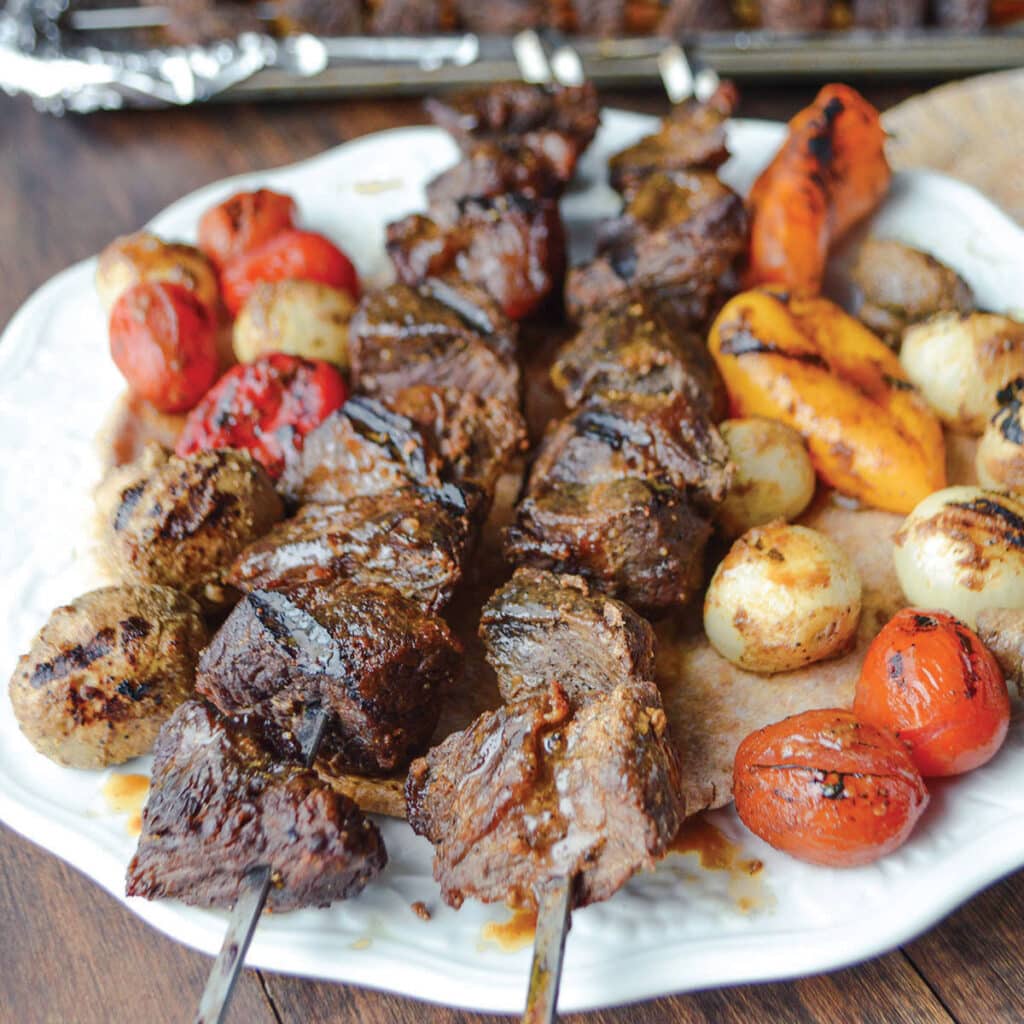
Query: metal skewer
x,y
680,80
553,921
245,914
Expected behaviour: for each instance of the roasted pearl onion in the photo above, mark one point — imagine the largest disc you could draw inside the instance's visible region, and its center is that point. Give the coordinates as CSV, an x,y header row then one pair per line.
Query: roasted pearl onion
x,y
962,550
785,596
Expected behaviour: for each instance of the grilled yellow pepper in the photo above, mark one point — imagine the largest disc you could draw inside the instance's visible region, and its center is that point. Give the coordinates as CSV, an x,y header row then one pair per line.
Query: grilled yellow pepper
x,y
807,363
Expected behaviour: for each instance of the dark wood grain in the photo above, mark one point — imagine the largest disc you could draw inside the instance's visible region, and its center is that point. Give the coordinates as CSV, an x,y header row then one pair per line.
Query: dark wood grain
x,y
69,953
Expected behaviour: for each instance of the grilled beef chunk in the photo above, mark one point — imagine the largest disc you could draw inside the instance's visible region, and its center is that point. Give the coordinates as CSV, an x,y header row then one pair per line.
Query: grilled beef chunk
x,y
899,286
888,14
682,230
105,672
539,791
596,17
220,804
512,246
641,347
794,15
364,448
446,335
659,438
180,521
319,17
374,661
476,437
691,137
630,538
414,539
492,168
556,121
542,627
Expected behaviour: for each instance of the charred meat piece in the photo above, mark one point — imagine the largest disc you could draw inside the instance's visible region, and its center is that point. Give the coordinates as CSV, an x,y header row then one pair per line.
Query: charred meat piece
x,y
542,627
493,167
659,438
629,538
692,137
556,121
364,448
181,521
683,230
639,348
414,539
445,335
899,286
512,246
476,437
374,661
221,804
539,791
594,17
105,672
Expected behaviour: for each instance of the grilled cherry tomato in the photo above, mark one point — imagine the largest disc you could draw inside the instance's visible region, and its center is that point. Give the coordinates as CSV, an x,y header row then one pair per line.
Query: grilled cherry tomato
x,y
243,223
931,680
300,255
164,340
266,407
828,788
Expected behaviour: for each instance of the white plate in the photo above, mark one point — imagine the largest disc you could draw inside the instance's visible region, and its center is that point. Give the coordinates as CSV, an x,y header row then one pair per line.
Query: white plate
x,y
678,928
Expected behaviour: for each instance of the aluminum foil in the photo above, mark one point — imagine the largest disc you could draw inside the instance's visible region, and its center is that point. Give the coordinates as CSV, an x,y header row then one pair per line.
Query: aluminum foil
x,y
62,72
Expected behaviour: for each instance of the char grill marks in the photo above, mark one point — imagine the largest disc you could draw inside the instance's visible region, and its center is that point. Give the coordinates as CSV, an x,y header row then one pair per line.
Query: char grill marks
x,y
557,122
415,539
370,659
542,789
542,628
644,346
684,231
445,334
692,137
222,802
492,167
621,492
512,245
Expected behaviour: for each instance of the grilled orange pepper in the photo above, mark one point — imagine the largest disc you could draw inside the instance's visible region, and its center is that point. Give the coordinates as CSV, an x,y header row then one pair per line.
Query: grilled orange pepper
x,y
803,361
830,173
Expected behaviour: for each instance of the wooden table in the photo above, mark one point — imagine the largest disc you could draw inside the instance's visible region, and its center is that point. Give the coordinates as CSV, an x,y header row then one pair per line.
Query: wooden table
x,y
69,953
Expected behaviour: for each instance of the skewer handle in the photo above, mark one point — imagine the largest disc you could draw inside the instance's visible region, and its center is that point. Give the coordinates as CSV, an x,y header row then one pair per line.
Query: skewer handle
x,y
548,947
213,1007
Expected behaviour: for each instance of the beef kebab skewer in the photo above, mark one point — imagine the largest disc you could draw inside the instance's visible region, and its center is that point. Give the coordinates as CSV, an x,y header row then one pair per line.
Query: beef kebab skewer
x,y
621,492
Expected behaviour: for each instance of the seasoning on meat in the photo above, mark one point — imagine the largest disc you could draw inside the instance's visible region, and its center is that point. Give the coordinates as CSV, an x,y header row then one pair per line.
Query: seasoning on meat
x,y
555,120
181,521
691,137
493,167
449,335
683,230
372,660
414,539
542,627
640,347
540,790
105,672
221,802
511,245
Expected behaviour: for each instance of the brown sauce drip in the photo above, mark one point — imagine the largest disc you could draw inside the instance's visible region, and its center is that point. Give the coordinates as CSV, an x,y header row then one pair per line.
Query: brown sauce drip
x,y
514,934
126,794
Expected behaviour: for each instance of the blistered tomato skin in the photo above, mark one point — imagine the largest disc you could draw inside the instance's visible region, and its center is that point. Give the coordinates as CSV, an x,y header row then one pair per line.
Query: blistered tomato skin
x,y
163,339
827,788
290,255
244,222
931,680
266,407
